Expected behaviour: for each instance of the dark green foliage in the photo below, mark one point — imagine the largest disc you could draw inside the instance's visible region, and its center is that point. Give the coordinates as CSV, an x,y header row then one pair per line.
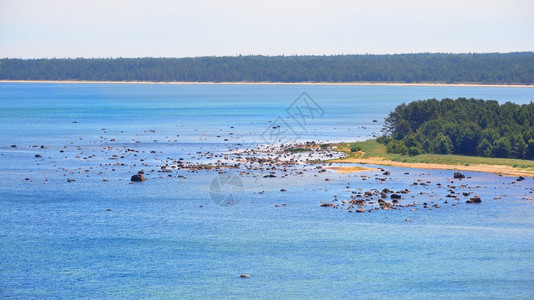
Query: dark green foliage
x,y
502,148
411,141
428,146
529,150
413,151
397,147
518,145
484,148
488,68
443,144
384,140
355,148
462,126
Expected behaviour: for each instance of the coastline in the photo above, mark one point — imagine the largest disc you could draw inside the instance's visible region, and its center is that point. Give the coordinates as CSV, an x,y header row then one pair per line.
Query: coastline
x,y
494,169
272,83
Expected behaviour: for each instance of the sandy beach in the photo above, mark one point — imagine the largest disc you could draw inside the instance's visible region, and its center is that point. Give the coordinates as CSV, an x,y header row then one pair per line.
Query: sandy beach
x,y
344,170
495,169
276,83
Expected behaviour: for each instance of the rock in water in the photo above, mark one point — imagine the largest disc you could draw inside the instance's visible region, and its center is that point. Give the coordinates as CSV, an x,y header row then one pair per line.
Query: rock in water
x,y
475,199
459,175
244,275
138,177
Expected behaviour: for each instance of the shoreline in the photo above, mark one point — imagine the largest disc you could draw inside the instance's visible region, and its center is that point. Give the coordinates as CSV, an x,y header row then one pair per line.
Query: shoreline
x,y
271,83
494,169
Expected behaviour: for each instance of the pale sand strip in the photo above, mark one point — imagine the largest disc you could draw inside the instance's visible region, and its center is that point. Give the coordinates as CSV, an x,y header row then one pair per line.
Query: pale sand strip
x,y
276,83
496,169
350,169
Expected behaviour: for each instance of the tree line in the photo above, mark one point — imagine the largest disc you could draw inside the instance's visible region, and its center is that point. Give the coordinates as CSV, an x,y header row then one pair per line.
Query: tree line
x,y
462,126
485,68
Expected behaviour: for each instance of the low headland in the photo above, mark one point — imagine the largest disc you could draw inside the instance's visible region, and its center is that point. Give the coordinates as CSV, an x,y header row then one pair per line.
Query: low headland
x,y
462,134
374,153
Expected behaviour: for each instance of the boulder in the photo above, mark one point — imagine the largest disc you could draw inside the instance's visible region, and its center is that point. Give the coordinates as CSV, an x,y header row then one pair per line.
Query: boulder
x,y
475,199
395,196
138,177
459,175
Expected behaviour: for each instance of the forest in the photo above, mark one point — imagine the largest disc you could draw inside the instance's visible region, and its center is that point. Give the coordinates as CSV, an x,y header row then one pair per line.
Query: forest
x,y
462,126
483,68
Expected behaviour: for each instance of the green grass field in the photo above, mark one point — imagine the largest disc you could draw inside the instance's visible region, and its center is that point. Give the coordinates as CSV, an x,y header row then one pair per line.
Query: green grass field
x,y
371,148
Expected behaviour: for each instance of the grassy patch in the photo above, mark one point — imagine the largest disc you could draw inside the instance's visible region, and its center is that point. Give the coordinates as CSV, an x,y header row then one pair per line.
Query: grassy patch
x,y
371,148
296,150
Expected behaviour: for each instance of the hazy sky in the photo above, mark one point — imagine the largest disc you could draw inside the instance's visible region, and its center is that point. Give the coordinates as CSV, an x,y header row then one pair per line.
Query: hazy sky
x,y
131,28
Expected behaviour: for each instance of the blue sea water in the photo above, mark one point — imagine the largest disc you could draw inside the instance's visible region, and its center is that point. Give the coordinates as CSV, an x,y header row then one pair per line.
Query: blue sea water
x,y
165,238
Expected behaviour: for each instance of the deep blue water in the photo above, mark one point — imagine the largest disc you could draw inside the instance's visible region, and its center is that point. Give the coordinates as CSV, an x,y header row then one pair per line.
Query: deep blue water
x,y
166,238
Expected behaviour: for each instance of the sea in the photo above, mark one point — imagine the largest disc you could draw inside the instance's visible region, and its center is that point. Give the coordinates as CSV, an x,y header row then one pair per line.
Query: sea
x,y
73,225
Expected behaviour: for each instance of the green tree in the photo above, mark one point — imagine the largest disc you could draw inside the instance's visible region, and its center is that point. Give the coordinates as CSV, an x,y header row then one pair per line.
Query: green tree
x,y
502,148
410,141
529,150
463,126
428,147
413,151
484,148
403,129
397,147
518,145
443,144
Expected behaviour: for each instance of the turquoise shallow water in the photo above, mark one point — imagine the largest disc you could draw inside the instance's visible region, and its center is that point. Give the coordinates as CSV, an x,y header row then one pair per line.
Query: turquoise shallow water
x,y
166,238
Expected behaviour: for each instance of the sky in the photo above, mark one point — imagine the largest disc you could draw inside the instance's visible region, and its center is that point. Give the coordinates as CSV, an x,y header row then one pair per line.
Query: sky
x,y
164,28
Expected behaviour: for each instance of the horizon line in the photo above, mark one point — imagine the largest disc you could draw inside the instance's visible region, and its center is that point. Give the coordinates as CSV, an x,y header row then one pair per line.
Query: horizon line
x,y
276,55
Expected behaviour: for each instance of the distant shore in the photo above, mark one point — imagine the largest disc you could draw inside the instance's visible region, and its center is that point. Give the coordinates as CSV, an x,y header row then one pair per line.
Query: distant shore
x,y
274,83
